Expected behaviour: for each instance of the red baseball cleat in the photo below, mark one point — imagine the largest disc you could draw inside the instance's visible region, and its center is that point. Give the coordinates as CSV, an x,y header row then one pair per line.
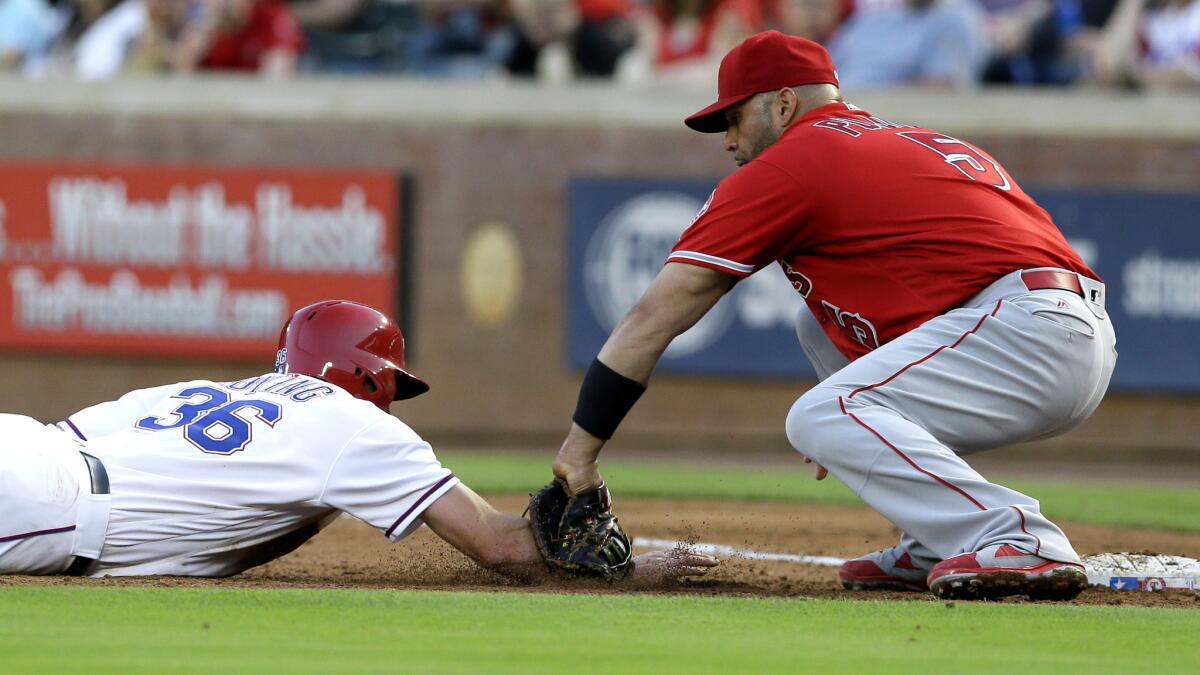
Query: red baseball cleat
x,y
886,570
1003,570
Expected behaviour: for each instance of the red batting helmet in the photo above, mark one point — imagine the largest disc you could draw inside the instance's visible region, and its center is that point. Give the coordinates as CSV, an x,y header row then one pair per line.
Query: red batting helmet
x,y
351,345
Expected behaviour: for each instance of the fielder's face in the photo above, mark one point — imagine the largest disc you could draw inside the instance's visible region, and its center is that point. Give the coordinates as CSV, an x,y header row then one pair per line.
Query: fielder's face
x,y
752,128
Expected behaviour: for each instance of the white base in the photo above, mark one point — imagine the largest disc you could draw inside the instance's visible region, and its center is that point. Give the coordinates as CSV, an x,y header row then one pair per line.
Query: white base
x,y
1141,572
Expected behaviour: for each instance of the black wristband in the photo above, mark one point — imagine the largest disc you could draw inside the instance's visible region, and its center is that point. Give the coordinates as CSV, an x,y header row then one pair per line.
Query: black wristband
x,y
604,399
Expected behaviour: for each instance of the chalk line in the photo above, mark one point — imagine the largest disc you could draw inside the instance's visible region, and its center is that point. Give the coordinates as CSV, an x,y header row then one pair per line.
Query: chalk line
x,y
721,549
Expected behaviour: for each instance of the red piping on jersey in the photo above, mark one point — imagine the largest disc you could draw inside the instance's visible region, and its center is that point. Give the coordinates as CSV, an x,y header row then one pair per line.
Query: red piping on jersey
x,y
896,450
1035,537
39,533
75,429
425,496
930,355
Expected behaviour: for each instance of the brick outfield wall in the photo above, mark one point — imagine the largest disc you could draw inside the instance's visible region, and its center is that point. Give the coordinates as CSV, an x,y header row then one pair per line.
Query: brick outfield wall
x,y
509,384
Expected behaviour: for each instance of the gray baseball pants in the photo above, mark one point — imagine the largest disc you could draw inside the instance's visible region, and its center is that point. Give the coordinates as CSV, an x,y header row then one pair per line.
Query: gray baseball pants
x,y
1009,365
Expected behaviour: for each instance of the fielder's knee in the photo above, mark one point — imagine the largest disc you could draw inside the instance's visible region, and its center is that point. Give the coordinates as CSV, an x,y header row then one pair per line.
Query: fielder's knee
x,y
810,421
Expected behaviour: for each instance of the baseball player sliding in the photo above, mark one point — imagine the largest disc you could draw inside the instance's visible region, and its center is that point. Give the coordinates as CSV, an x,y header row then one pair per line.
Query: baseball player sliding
x,y
209,478
945,314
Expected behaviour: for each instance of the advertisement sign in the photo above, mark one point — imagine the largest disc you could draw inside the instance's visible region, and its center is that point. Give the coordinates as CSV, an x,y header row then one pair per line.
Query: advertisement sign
x,y
185,261
1146,246
620,234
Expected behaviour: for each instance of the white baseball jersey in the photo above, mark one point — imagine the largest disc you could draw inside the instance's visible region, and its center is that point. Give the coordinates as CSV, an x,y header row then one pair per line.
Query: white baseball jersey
x,y
211,478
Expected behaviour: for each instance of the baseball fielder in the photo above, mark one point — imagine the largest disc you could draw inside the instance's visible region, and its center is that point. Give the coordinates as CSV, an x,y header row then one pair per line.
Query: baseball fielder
x,y
945,314
208,479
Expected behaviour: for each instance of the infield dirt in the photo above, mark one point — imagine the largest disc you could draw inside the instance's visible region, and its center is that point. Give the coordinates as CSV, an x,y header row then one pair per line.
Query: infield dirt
x,y
350,554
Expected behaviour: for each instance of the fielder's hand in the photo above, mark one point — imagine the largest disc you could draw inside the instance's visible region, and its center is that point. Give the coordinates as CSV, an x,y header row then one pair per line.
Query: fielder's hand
x,y
821,471
578,468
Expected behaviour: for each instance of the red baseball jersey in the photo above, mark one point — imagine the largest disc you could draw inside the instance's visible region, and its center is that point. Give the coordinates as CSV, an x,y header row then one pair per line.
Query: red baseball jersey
x,y
879,226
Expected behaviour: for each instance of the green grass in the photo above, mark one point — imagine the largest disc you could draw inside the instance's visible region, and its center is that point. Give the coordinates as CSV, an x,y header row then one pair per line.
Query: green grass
x,y
126,629
1096,503
129,630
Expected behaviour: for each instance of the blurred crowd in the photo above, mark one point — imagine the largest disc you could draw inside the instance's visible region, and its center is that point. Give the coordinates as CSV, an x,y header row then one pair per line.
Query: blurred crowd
x,y
875,43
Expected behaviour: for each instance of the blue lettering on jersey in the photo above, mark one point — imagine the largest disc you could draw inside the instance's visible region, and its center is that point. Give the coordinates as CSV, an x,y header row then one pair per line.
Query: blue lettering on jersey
x,y
293,386
223,432
200,400
286,388
311,393
211,421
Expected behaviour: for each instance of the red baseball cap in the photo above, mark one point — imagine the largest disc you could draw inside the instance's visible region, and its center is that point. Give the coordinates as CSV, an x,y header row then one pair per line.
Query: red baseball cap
x,y
763,62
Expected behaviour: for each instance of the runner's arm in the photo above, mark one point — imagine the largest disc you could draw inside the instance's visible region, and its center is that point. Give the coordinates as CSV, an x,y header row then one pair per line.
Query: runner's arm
x,y
504,544
498,541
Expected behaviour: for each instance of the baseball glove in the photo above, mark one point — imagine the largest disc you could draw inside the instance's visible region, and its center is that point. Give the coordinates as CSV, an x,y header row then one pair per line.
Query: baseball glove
x,y
579,533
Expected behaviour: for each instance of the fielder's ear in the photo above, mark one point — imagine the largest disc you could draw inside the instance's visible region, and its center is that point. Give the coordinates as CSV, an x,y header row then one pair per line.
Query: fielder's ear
x,y
787,106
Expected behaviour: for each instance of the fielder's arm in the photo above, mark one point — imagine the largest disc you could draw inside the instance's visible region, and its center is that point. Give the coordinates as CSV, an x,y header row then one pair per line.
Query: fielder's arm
x,y
504,543
677,298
